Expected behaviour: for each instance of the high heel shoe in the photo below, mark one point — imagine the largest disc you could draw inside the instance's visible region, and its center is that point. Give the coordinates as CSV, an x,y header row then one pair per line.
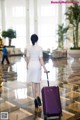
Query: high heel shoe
x,y
39,101
36,103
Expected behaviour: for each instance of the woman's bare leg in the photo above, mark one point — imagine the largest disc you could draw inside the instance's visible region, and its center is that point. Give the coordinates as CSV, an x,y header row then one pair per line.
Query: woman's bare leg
x,y
34,90
36,95
37,89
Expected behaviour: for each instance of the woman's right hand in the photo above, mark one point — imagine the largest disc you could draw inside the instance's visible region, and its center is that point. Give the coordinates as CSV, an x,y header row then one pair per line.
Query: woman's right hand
x,y
45,70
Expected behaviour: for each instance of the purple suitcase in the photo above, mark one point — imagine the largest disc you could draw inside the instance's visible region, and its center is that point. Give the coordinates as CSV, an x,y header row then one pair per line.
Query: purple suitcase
x,y
51,101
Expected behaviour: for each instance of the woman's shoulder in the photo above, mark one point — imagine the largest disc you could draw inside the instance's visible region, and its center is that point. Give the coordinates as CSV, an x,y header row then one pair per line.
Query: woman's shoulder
x,y
39,46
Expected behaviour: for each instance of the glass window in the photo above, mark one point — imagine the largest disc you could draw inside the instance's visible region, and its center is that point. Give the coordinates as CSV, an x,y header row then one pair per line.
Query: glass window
x,y
47,27
18,11
21,29
46,10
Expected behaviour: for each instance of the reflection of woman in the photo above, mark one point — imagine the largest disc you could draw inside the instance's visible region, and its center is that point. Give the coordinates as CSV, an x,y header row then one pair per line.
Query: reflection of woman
x,y
34,63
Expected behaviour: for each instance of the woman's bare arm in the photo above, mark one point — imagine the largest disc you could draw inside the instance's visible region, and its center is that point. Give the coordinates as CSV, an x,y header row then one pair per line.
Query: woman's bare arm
x,y
42,63
27,61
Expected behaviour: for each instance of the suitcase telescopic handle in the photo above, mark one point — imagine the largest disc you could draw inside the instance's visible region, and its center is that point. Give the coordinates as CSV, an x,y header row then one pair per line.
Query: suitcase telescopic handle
x,y
47,77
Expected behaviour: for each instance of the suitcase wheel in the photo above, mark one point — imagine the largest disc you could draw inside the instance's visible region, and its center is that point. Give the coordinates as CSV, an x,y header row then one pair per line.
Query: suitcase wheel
x,y
60,118
45,117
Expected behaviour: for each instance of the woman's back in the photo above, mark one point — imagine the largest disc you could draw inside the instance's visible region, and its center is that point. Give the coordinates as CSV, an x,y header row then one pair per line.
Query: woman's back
x,y
34,52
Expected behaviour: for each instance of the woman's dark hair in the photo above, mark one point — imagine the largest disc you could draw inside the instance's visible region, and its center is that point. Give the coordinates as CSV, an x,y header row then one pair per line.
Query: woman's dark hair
x,y
34,39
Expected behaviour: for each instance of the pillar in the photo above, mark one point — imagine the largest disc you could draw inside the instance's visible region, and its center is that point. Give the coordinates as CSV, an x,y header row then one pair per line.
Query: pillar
x,y
3,15
35,16
27,23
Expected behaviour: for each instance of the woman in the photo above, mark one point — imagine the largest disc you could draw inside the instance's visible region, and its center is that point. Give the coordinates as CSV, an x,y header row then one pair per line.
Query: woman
x,y
34,63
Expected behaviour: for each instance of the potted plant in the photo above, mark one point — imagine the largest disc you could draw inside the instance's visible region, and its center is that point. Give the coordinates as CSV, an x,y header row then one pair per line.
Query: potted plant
x,y
73,16
61,35
10,34
60,52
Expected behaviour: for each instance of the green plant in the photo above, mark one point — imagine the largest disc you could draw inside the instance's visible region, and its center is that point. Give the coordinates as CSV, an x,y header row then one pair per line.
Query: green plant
x,y
73,15
61,35
10,34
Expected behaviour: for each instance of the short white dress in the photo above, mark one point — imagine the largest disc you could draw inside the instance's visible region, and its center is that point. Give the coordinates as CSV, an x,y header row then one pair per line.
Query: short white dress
x,y
34,66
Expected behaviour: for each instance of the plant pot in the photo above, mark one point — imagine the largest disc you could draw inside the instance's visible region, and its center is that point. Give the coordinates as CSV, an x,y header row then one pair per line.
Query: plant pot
x,y
75,54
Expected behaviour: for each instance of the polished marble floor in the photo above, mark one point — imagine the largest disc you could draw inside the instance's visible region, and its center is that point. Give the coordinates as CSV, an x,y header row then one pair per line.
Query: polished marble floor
x,y
16,100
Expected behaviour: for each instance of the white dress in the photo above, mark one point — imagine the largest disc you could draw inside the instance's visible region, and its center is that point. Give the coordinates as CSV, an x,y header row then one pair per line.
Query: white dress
x,y
34,66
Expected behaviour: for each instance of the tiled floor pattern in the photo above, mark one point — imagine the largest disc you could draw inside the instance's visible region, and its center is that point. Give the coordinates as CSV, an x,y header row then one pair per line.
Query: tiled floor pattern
x,y
16,94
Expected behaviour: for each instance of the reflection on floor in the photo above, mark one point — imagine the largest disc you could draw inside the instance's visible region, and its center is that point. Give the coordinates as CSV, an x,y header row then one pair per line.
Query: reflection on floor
x,y
16,94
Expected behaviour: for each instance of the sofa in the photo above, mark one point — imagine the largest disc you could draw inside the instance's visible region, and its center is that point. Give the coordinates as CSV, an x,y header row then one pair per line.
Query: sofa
x,y
14,51
59,53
